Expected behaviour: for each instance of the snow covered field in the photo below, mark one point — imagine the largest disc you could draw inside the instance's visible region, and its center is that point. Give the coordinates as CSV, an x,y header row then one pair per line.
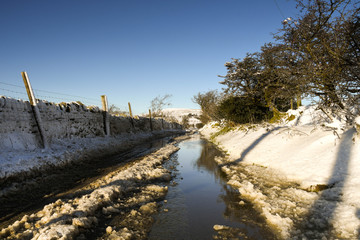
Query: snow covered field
x,y
303,175
179,113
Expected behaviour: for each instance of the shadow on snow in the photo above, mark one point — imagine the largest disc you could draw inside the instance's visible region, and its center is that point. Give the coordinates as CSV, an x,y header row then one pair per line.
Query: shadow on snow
x,y
318,221
251,147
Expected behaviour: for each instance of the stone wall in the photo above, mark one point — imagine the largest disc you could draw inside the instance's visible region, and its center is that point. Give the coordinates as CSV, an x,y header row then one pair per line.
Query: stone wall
x,y
18,128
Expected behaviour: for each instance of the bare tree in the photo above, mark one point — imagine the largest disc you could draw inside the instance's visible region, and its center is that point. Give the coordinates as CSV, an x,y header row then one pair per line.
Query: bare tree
x,y
115,110
158,104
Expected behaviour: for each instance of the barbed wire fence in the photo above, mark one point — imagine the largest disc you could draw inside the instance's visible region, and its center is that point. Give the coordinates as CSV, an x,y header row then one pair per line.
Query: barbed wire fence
x,y
33,95
13,91
19,92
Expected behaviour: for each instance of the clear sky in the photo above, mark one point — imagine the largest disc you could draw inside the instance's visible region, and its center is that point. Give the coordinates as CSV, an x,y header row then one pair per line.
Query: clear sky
x,y
130,50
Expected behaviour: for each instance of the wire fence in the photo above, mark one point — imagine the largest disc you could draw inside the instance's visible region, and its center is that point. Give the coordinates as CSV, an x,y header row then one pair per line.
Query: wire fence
x,y
19,92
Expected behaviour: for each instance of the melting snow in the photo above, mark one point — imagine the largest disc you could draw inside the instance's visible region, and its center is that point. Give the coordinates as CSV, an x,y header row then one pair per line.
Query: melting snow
x,y
67,218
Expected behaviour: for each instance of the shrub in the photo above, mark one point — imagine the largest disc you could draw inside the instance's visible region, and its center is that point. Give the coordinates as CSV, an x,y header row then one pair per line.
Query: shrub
x,y
243,110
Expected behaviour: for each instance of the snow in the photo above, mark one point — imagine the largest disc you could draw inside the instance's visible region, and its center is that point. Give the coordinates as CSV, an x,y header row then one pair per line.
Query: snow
x,y
63,151
66,218
278,168
357,120
307,152
179,113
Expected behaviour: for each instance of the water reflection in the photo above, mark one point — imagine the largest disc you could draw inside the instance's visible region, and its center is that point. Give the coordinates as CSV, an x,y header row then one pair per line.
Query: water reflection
x,y
207,156
201,199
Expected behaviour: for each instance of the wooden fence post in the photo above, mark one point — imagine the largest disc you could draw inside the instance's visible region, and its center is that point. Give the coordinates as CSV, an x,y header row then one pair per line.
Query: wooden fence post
x,y
131,116
151,126
130,110
162,120
105,107
35,109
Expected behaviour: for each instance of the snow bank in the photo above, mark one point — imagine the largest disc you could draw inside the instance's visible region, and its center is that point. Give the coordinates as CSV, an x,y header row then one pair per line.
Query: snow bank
x,y
306,149
357,124
357,120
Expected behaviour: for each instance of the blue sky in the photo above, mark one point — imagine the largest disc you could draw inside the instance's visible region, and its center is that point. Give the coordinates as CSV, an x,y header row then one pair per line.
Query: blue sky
x,y
131,50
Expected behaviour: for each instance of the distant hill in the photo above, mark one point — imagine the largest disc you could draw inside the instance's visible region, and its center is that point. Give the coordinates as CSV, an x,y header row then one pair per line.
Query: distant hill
x,y
179,113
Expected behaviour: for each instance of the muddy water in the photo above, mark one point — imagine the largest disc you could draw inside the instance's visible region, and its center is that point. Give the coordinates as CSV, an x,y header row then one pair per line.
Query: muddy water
x,y
198,198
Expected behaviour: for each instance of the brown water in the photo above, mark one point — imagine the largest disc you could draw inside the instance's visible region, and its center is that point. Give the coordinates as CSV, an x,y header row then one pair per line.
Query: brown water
x,y
199,198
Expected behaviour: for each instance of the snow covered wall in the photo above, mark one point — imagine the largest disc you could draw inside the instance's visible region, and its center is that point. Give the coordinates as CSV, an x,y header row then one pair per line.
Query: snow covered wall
x,y
19,131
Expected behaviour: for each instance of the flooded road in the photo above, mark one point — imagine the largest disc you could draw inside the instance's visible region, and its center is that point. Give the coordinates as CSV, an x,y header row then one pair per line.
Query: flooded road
x,y
199,199
175,192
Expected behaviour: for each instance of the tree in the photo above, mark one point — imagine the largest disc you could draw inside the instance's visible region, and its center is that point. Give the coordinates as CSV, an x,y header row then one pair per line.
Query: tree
x,y
317,55
208,103
243,110
262,78
185,121
115,110
158,104
279,81
243,76
325,40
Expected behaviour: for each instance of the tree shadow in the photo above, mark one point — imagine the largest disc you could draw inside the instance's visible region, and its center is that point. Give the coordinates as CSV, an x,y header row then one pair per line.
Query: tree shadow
x,y
318,221
251,147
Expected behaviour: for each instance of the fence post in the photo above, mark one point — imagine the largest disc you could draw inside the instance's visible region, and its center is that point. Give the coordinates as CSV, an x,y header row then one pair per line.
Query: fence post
x,y
151,126
130,110
105,107
131,116
34,108
162,120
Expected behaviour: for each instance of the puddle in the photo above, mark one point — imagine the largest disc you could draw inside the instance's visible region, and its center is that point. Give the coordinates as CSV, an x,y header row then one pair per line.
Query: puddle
x,y
198,198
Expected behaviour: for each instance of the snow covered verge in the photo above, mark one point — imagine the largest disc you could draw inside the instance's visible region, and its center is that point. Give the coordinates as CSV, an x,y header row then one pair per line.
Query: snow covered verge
x,y
302,174
65,151
127,196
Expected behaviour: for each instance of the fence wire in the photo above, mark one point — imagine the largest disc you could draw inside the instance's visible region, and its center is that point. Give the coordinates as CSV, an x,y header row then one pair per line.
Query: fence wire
x,y
19,92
